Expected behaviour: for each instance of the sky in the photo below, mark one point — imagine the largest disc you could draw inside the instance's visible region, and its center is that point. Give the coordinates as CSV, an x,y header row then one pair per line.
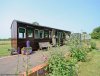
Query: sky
x,y
71,15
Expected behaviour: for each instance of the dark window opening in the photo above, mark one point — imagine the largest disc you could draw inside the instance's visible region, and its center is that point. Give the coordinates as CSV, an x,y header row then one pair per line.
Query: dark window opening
x,y
46,34
41,34
21,32
30,33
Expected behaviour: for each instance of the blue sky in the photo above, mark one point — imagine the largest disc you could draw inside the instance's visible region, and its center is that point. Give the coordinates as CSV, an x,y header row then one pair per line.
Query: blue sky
x,y
72,15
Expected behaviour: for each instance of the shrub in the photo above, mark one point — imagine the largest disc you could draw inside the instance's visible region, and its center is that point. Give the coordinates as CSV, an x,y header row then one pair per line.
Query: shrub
x,y
93,45
59,66
88,49
79,53
96,33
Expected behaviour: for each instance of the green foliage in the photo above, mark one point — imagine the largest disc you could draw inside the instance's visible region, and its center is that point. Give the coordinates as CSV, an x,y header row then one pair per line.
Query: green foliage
x,y
79,49
62,66
93,45
59,66
88,50
79,53
74,40
96,33
97,29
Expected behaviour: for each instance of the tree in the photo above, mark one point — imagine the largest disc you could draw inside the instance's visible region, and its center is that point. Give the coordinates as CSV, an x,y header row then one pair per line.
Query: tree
x,y
96,33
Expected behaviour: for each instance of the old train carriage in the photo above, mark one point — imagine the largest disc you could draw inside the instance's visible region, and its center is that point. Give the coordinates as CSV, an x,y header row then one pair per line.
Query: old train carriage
x,y
22,31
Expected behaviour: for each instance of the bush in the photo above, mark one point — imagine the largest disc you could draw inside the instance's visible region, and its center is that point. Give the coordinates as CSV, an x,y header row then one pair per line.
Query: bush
x,y
96,33
59,66
79,53
64,64
93,45
88,49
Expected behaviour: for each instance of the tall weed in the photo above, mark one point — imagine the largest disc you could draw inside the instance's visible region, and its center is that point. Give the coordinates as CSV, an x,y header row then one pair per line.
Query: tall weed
x,y
93,45
59,66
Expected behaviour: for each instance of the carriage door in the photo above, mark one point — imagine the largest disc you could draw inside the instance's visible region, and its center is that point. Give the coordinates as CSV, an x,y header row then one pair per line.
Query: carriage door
x,y
30,36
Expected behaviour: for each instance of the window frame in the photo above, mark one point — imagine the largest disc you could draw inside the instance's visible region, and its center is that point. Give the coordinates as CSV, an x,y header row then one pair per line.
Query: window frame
x,y
19,32
43,34
38,33
28,32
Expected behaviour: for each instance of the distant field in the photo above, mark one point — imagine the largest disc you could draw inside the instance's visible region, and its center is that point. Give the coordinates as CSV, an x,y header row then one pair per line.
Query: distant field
x,y
4,46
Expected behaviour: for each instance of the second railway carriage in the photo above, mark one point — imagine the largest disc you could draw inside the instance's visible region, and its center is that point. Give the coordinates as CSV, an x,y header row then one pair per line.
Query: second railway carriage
x,y
35,33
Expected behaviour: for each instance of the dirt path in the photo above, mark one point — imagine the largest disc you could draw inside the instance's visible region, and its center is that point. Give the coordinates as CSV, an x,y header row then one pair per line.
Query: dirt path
x,y
8,65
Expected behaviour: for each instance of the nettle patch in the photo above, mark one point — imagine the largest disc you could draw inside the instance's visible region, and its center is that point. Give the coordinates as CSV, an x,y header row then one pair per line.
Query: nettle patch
x,y
79,53
60,65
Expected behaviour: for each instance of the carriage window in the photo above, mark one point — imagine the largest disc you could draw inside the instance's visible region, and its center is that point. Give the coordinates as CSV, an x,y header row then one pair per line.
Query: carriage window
x,y
41,34
59,34
46,34
36,34
21,32
50,34
30,33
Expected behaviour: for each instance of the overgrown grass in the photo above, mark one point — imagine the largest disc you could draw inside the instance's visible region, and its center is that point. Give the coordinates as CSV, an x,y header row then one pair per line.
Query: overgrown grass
x,y
80,52
92,67
4,46
97,41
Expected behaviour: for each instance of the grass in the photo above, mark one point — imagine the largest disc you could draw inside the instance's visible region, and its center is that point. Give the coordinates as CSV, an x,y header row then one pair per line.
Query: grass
x,y
97,41
4,46
92,67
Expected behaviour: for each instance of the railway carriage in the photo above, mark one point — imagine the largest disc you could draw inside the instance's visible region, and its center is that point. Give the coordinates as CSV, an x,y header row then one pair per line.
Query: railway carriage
x,y
21,32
